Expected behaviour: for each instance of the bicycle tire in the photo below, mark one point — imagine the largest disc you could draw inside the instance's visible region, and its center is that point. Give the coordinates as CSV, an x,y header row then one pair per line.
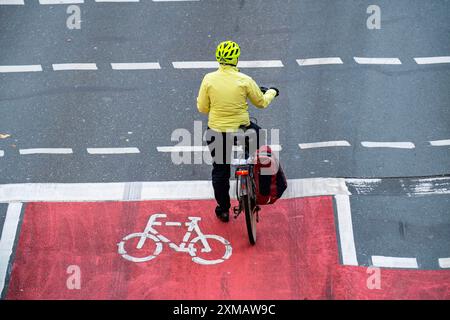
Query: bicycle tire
x,y
250,216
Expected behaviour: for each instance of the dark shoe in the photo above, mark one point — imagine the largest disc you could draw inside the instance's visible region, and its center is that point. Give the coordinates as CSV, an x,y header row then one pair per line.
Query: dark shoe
x,y
223,215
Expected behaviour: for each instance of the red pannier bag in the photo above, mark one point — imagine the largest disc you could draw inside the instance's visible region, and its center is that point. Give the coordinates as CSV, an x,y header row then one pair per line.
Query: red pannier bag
x,y
269,177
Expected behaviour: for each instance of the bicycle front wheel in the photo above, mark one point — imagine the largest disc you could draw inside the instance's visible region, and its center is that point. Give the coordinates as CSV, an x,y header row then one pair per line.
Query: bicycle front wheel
x,y
250,218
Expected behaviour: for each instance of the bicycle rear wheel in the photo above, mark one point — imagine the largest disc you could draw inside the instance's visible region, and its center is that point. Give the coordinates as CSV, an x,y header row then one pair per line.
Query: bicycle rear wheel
x,y
250,217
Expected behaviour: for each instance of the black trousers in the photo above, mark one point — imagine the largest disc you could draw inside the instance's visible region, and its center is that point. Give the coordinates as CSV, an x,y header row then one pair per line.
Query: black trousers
x,y
221,171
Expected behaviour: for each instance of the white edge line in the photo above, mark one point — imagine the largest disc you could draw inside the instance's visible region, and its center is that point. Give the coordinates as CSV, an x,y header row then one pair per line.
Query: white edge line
x,y
432,60
319,61
360,60
158,190
8,238
46,151
74,66
396,145
112,150
136,66
324,144
345,226
394,262
444,263
440,143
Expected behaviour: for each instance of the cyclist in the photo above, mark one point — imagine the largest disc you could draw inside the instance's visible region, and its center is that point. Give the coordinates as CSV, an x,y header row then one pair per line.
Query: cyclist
x,y
223,96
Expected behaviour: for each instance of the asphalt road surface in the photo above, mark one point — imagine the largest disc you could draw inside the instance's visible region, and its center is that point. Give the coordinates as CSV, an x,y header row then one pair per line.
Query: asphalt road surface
x,y
378,108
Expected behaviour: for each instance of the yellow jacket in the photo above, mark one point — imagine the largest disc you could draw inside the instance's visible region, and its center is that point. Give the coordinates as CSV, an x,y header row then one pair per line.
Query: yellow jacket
x,y
223,95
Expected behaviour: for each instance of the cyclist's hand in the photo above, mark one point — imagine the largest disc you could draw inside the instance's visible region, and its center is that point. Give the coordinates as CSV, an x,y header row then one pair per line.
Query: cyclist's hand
x,y
278,91
263,89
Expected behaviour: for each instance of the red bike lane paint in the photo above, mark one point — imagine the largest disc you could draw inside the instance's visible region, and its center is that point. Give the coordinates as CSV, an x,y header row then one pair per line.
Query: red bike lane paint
x,y
296,255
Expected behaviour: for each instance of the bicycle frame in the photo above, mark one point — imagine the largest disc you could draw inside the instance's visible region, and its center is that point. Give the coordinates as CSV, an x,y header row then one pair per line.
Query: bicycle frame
x,y
192,226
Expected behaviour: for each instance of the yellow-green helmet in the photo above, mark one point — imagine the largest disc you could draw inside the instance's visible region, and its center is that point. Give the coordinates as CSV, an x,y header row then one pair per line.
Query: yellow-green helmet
x,y
228,52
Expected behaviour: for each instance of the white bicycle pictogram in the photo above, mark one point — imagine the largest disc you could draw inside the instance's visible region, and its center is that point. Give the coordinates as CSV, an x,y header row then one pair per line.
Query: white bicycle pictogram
x,y
187,246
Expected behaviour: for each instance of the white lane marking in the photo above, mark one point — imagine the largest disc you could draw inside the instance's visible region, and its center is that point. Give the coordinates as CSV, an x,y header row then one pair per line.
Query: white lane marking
x,y
440,143
22,68
46,151
12,2
2,153
136,66
261,64
183,149
174,0
397,145
444,263
215,64
195,64
394,262
319,61
432,60
360,60
60,1
274,147
112,150
8,237
74,66
116,0
156,190
324,144
345,226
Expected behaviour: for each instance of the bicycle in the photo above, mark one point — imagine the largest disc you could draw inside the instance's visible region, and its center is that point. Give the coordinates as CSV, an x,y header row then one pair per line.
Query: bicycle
x,y
186,246
246,189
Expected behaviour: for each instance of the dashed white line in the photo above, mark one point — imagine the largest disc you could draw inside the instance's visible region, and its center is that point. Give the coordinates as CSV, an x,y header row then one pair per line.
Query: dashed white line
x,y
394,262
46,151
12,2
324,144
360,60
195,64
8,237
261,64
432,60
319,61
444,263
215,64
182,149
396,145
274,148
136,66
112,150
345,226
175,0
440,143
61,1
21,68
116,0
74,66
